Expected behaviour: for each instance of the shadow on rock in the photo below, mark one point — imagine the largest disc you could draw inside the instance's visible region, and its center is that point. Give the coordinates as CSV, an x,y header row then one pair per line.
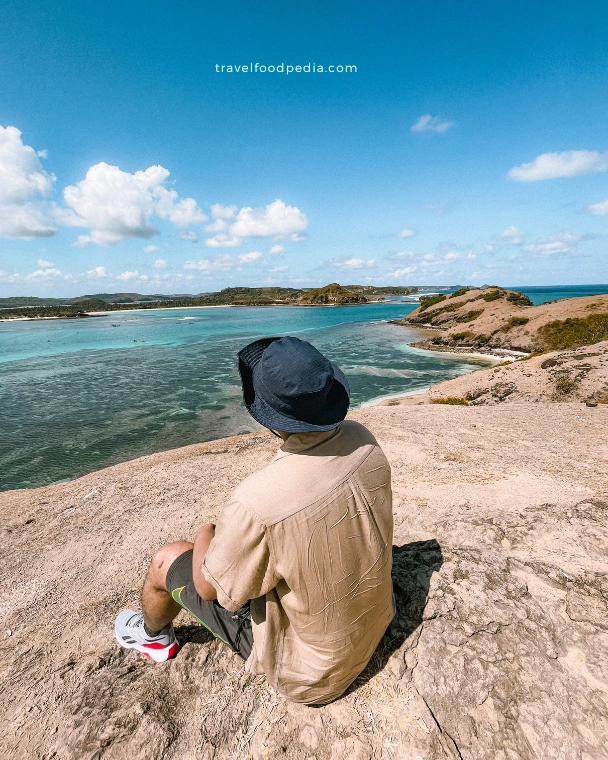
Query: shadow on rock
x,y
413,566
193,634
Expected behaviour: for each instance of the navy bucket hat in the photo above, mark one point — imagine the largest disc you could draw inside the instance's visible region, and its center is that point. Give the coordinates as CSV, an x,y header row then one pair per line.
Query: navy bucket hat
x,y
288,385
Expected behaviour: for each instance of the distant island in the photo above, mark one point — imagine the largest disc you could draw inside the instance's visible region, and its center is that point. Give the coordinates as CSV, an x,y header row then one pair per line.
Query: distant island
x,y
24,307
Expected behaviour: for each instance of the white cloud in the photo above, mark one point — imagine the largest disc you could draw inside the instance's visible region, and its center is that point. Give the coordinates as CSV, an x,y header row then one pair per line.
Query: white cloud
x,y
46,273
223,262
150,249
278,249
277,219
248,258
222,240
116,205
218,226
190,235
274,270
428,123
597,209
406,233
402,272
401,255
565,242
569,163
351,263
160,264
180,212
512,236
430,258
97,272
128,275
448,257
222,212
8,278
45,264
24,188
220,262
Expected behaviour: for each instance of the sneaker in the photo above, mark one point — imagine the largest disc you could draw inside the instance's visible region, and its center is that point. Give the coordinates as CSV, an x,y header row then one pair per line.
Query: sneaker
x,y
130,634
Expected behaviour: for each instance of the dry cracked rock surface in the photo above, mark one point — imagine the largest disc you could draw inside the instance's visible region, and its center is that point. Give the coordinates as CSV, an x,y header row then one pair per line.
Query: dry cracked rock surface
x,y
500,646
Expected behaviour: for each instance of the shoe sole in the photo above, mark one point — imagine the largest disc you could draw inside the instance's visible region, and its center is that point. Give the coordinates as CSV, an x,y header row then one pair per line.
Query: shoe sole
x,y
154,652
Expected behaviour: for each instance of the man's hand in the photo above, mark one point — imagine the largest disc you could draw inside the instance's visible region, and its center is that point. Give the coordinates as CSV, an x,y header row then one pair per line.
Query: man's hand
x,y
201,543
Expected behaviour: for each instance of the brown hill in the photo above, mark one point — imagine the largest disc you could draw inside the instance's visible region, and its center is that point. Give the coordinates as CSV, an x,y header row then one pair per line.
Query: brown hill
x,y
332,294
495,318
499,648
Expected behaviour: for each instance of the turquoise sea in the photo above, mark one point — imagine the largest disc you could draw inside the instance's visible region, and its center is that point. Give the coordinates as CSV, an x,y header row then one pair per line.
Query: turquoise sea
x,y
76,396
543,293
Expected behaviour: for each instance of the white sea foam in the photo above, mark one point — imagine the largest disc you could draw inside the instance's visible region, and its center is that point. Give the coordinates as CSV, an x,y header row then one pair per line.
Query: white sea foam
x,y
383,371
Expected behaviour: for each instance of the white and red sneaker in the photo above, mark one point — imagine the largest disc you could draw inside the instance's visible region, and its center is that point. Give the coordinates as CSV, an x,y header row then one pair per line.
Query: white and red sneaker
x,y
130,634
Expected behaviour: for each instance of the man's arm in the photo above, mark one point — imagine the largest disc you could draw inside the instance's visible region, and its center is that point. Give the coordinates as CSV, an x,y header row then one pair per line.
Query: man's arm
x,y
201,543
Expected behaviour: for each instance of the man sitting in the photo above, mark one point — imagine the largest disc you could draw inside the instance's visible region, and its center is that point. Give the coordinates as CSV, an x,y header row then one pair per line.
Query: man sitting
x,y
296,575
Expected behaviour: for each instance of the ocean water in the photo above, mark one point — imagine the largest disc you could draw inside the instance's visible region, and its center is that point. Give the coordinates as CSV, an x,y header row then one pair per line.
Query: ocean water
x,y
76,396
80,395
544,293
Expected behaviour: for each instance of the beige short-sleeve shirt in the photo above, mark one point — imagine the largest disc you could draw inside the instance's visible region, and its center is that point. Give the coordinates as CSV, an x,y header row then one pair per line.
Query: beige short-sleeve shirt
x,y
308,539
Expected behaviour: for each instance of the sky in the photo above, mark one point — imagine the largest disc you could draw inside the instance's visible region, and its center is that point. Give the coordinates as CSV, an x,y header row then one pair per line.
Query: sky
x,y
463,143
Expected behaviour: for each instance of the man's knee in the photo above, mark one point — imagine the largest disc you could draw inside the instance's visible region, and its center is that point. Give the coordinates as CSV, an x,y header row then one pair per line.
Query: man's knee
x,y
164,557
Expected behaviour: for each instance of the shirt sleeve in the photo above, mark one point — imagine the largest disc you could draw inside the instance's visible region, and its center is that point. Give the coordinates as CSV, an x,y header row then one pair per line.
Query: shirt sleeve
x,y
239,562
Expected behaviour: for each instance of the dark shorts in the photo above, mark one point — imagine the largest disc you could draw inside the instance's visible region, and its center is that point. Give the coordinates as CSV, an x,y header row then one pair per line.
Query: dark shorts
x,y
233,628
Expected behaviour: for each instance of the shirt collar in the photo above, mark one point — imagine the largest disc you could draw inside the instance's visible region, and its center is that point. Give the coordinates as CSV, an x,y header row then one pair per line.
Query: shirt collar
x,y
299,442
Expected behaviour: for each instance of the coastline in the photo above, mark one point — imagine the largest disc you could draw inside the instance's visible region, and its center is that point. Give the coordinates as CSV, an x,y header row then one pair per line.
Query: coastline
x,y
490,355
114,311
88,314
466,369
492,361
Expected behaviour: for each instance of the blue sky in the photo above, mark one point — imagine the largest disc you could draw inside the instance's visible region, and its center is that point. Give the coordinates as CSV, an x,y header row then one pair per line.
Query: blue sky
x,y
469,146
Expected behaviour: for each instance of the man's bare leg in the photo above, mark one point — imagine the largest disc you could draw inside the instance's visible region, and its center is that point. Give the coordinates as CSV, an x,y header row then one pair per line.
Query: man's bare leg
x,y
157,604
150,631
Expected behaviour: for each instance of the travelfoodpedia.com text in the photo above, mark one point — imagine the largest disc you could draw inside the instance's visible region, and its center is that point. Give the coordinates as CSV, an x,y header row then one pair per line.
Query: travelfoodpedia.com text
x,y
283,68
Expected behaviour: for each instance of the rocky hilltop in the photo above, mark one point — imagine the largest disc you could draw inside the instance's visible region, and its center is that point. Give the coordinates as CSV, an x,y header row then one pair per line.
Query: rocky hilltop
x,y
499,650
495,319
333,294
